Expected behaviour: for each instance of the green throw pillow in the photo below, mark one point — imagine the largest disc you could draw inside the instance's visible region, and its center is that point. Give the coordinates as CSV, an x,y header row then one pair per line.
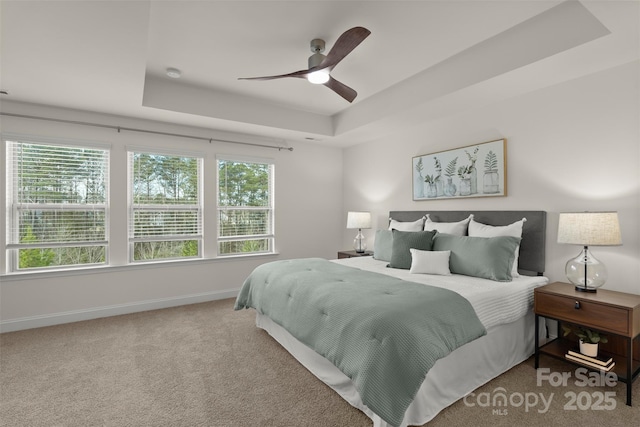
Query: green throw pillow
x,y
487,257
383,245
405,240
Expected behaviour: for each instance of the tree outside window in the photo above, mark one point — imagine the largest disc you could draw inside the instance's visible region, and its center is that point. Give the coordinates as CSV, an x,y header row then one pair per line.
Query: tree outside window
x,y
58,198
245,207
166,212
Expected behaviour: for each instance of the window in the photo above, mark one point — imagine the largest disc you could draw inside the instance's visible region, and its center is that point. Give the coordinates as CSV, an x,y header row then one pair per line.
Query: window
x,y
245,206
57,198
165,218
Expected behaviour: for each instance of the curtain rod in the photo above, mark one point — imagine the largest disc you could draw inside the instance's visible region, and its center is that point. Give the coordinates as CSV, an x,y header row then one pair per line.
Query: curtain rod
x,y
121,128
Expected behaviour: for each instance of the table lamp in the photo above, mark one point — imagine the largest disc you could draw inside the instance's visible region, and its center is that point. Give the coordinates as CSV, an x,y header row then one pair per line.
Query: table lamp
x,y
359,220
588,229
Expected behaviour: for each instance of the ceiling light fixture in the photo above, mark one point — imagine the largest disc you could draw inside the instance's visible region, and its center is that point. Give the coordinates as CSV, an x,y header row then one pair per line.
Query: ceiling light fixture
x,y
321,76
174,73
318,77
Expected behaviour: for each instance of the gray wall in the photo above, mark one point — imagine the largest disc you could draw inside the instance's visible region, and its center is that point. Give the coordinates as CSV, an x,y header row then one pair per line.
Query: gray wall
x,y
309,222
574,146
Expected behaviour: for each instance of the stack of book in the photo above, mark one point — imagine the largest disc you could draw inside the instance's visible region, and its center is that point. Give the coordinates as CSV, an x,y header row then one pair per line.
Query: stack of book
x,y
604,363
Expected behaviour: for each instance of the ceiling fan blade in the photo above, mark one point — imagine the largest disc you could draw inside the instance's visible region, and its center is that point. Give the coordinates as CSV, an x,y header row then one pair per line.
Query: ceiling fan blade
x,y
301,74
348,41
341,89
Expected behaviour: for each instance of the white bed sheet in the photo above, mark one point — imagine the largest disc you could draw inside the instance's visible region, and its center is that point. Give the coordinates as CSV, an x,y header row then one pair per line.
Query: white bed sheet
x,y
504,308
495,303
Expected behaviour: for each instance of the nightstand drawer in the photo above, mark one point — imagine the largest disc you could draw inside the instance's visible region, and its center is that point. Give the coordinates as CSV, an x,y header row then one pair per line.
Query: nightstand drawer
x,y
598,316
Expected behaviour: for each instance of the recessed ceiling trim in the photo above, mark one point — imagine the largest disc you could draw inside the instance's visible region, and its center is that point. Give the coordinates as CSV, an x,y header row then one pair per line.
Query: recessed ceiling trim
x,y
556,30
185,98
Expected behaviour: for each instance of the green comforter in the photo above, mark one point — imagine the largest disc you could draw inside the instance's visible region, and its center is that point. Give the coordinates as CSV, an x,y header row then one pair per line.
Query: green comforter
x,y
383,333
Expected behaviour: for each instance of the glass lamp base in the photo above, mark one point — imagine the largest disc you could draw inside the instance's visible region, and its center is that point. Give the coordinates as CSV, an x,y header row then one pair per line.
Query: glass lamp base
x,y
586,272
359,243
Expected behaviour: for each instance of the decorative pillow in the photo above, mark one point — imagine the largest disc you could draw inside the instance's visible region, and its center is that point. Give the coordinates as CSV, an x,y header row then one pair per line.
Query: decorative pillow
x,y
478,229
406,226
456,228
487,257
382,245
403,241
430,262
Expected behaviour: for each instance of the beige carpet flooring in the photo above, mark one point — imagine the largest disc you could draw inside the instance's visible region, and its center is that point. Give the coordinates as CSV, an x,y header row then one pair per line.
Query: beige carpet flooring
x,y
206,365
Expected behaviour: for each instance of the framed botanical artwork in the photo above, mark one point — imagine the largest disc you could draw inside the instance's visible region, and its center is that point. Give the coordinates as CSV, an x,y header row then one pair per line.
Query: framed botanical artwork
x,y
474,171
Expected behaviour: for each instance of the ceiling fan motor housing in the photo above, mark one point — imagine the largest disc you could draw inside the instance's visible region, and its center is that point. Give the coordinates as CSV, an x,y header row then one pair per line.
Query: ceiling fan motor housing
x,y
315,59
317,47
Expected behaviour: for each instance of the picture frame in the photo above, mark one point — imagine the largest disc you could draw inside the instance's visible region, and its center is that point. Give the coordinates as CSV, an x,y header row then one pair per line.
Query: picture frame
x,y
478,170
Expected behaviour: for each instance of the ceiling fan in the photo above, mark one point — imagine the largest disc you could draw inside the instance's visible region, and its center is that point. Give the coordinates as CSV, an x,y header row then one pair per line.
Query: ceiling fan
x,y
320,66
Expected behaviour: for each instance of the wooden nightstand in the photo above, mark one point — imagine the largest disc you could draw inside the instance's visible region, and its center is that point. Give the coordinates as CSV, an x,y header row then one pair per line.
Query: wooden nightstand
x,y
352,254
615,313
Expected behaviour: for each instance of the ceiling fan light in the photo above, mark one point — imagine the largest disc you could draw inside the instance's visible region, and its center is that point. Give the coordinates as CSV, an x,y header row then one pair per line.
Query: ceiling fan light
x,y
318,77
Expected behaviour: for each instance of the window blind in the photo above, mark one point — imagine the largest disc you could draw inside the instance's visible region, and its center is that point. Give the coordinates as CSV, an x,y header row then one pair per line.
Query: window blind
x,y
165,220
245,206
58,198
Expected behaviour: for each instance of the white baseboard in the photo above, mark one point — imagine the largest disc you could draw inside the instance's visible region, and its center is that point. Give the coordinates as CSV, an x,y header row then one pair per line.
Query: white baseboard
x,y
22,323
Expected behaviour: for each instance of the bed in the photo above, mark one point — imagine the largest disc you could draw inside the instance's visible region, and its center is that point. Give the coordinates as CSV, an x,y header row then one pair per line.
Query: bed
x,y
503,308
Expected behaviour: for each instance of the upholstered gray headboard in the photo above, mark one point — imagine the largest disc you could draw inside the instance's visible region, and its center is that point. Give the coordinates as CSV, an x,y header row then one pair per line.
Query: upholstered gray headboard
x,y
532,246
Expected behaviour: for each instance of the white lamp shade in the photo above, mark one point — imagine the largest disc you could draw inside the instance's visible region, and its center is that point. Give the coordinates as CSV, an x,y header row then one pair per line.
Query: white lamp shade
x,y
359,220
589,228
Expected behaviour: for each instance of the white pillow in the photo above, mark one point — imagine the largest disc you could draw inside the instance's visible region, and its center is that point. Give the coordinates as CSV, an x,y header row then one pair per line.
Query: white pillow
x,y
430,262
477,229
456,228
406,226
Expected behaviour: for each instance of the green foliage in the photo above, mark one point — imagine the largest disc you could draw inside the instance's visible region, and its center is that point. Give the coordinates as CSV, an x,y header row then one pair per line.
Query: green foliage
x,y
451,168
585,334
473,157
491,161
190,248
53,176
429,179
33,258
254,245
50,178
244,188
166,249
419,165
464,171
161,179
438,168
244,246
243,184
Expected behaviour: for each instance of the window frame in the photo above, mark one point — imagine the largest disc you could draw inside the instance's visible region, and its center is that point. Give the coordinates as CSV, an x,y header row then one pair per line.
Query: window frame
x,y
270,237
14,206
131,151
